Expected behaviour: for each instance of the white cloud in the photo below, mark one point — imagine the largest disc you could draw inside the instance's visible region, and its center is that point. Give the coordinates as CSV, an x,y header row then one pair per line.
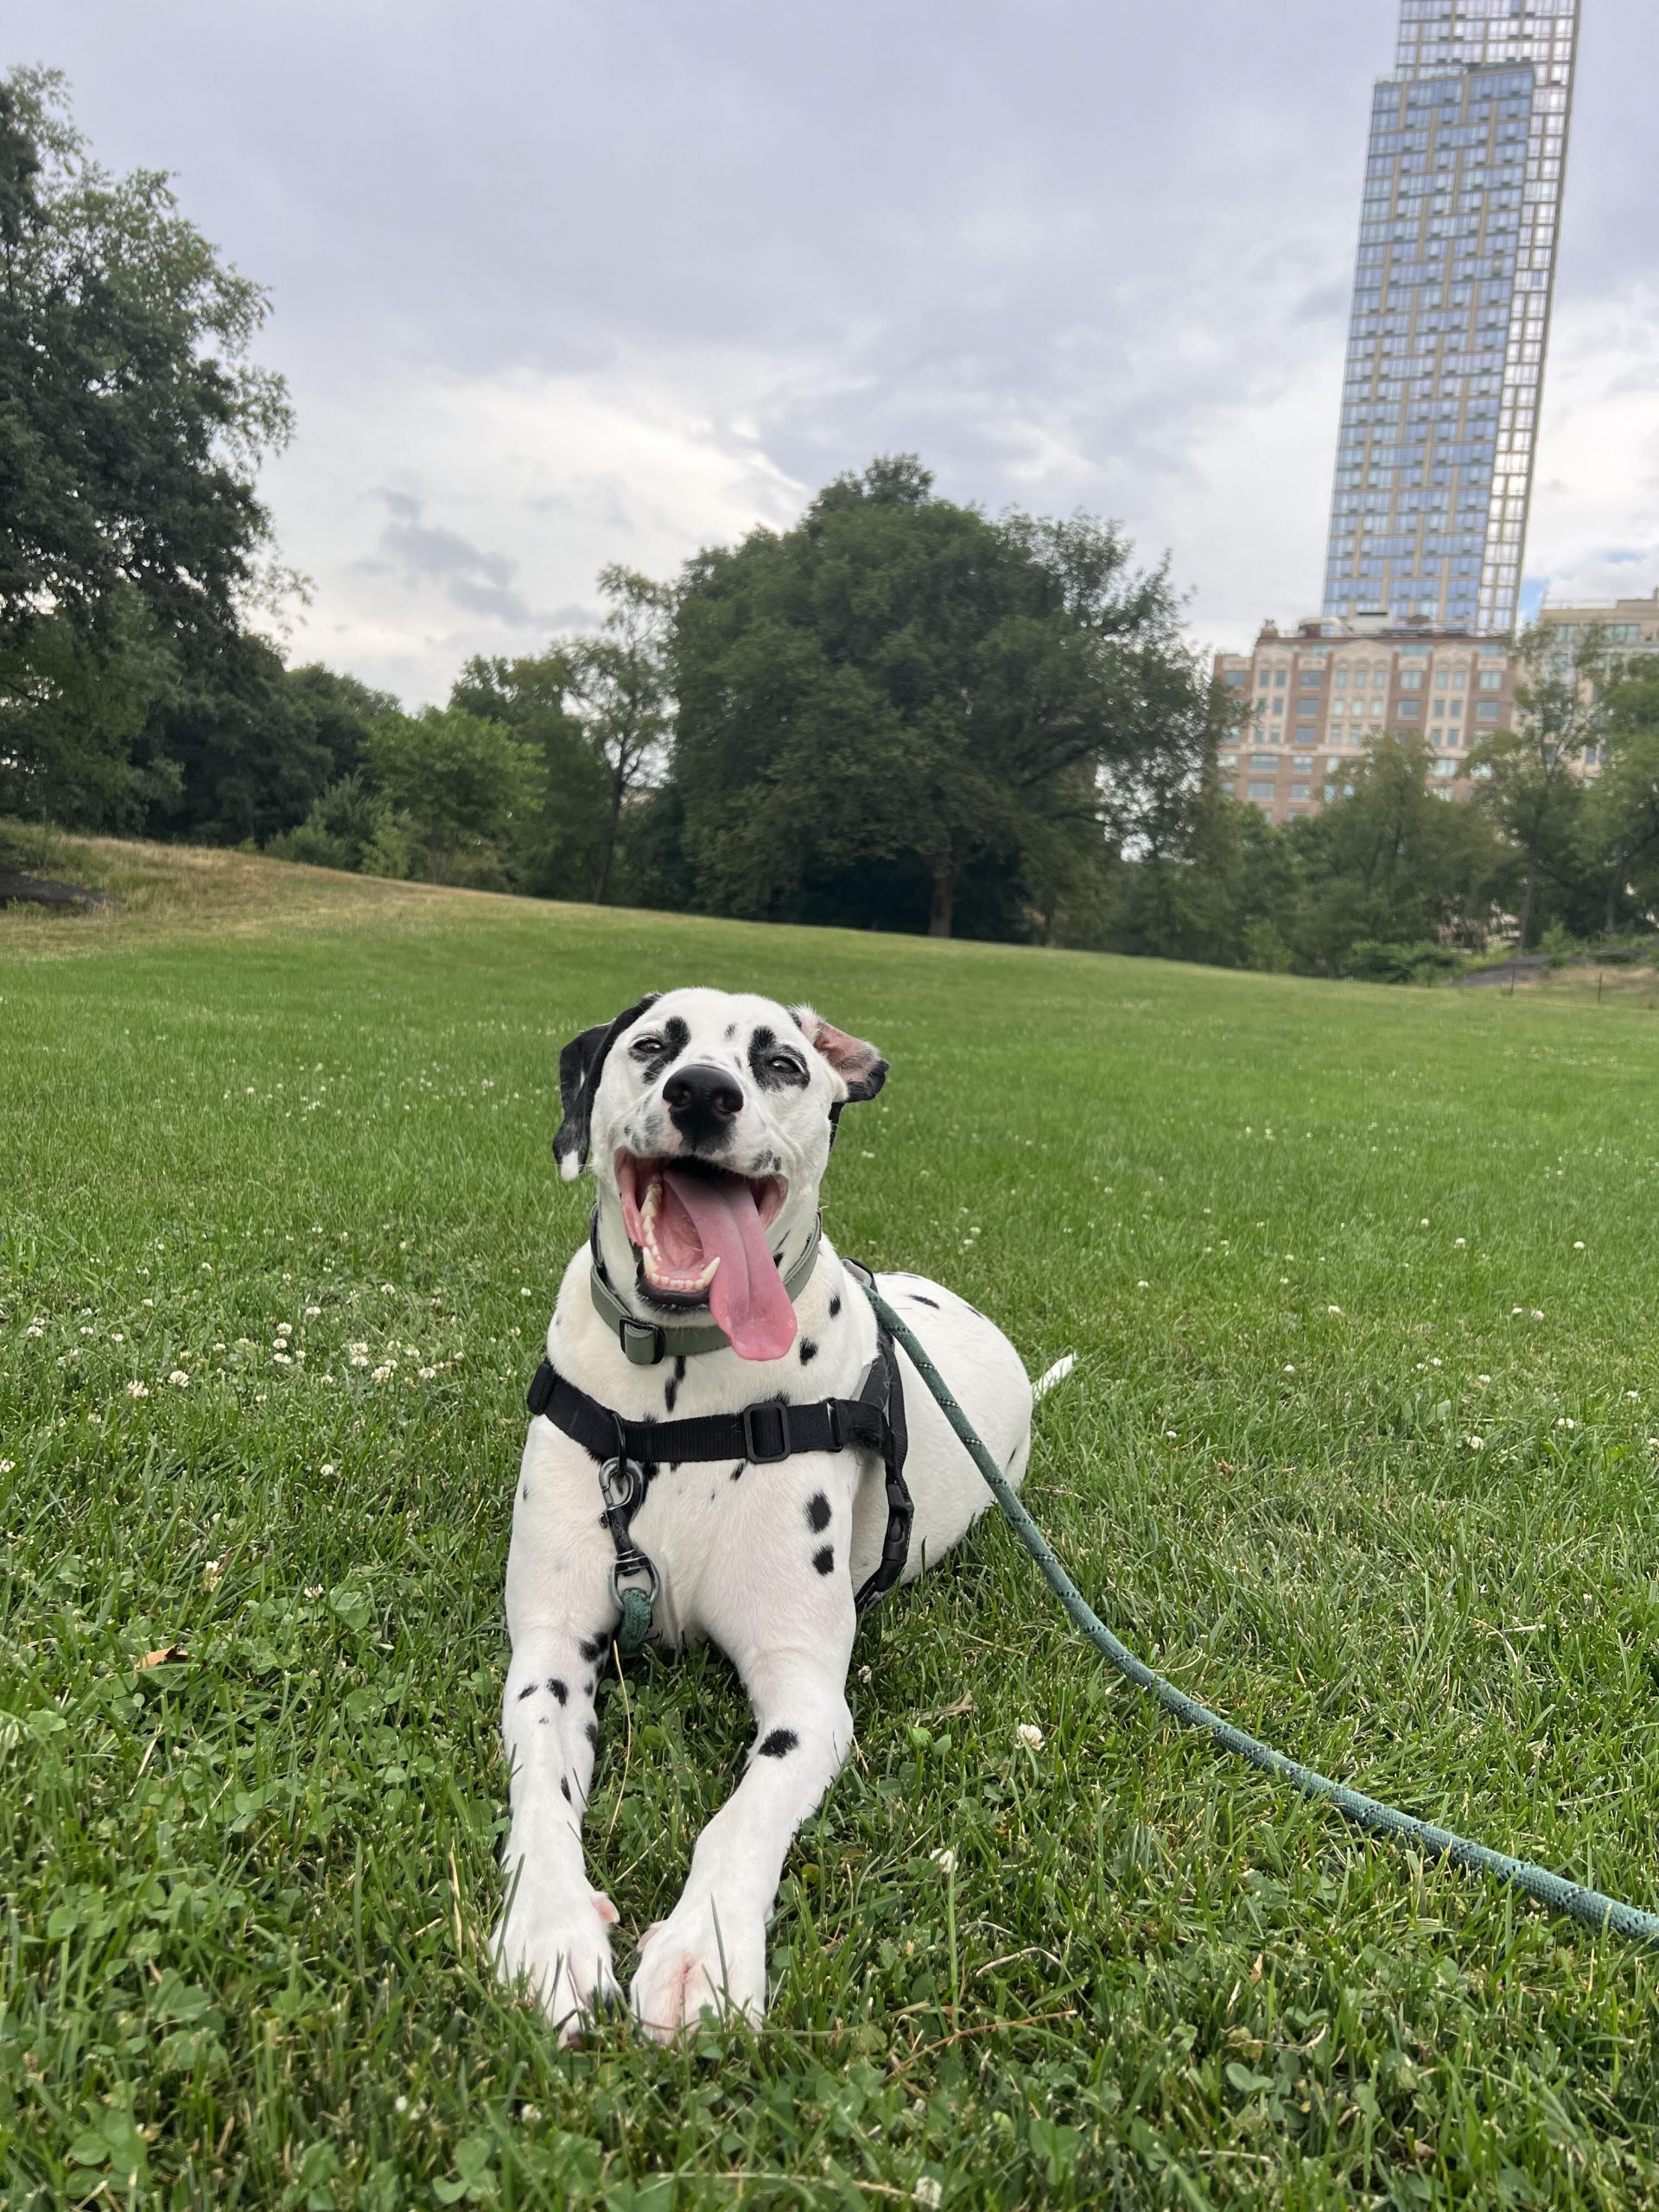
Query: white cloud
x,y
1594,531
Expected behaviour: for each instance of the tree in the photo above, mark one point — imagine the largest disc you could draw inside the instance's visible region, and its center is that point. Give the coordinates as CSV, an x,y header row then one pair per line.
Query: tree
x,y
132,423
1622,807
1393,864
459,786
560,838
1528,780
622,689
900,704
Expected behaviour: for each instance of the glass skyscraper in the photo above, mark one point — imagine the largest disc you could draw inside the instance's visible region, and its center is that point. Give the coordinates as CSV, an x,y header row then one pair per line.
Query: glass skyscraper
x,y
1450,312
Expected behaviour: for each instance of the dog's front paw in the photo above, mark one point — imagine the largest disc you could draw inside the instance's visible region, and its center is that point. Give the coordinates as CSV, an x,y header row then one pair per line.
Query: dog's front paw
x,y
560,1942
702,1958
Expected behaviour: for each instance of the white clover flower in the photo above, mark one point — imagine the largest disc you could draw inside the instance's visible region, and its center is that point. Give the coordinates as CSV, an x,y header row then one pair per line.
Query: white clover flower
x,y
6,1466
1030,1735
927,2192
1578,1245
1475,1443
382,1374
529,2114
1333,1309
1290,1369
944,1858
524,1292
1537,1312
282,1360
1483,1379
117,1338
426,1374
357,1349
178,1379
1143,1286
398,2104
1633,1395
1564,1423
1458,1245
312,1311
1171,1436
326,1468
34,1330
1423,1224
1514,1310
284,1328
137,1389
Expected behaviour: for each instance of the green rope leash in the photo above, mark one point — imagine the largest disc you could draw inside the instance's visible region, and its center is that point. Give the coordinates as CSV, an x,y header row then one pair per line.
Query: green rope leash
x,y
1553,1890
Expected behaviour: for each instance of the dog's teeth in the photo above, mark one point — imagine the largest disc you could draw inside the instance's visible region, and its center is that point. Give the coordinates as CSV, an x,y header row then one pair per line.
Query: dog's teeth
x,y
703,1282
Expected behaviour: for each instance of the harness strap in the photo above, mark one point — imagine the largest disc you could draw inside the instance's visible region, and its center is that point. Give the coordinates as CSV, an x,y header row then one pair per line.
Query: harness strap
x,y
630,1454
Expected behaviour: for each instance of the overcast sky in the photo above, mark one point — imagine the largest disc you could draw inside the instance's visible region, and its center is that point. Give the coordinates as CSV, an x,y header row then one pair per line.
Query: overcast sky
x,y
583,281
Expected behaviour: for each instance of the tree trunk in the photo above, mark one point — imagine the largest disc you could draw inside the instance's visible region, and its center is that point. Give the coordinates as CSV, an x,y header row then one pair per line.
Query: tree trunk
x,y
945,894
1613,882
1526,902
602,879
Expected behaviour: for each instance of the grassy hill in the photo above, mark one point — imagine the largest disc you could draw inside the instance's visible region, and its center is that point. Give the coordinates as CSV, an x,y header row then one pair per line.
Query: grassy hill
x,y
1362,1449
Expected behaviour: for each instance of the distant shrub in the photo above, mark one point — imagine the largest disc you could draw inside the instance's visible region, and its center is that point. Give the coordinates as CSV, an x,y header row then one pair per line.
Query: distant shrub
x,y
1371,960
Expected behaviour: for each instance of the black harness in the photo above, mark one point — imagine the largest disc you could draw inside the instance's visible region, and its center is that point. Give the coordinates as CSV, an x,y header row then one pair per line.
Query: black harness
x,y
630,1455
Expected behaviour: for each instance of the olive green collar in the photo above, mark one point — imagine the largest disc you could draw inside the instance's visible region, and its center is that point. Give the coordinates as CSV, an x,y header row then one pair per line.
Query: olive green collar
x,y
644,1344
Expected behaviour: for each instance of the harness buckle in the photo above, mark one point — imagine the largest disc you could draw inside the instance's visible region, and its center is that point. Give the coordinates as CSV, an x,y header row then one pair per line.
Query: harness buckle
x,y
621,1483
751,1443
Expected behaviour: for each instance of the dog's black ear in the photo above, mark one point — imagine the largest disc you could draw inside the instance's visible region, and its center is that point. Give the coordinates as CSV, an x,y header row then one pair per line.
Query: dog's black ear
x,y
860,1066
581,1066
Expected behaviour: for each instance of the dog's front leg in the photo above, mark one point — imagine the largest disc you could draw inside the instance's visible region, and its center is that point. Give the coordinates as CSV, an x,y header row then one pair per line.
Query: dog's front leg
x,y
710,1953
556,1928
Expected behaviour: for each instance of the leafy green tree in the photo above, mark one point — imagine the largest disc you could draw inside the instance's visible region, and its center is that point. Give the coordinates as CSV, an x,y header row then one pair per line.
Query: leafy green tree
x,y
1394,864
132,423
901,691
562,837
1529,781
621,686
1621,809
459,786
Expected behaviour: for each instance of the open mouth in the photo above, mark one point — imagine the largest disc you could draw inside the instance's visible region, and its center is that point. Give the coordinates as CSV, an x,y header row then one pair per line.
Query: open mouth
x,y
700,1234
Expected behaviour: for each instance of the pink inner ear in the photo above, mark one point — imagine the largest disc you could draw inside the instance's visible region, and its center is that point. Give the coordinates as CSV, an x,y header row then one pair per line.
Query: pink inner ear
x,y
850,1056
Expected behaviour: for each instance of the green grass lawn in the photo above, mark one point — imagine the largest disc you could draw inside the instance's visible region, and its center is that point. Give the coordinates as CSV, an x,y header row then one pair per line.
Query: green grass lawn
x,y
1362,1449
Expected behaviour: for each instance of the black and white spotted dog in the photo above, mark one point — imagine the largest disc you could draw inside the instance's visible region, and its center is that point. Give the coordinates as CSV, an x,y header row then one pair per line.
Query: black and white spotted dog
x,y
706,1118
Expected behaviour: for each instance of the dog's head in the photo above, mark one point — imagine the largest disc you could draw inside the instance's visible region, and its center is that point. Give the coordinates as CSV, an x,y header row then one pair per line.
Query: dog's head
x,y
707,1118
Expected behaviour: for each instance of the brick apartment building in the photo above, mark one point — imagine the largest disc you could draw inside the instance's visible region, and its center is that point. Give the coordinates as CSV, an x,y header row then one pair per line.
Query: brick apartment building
x,y
1320,692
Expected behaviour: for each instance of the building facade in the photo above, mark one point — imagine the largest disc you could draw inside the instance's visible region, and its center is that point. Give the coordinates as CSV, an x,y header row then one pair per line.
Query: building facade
x,y
1450,314
1627,627
1317,695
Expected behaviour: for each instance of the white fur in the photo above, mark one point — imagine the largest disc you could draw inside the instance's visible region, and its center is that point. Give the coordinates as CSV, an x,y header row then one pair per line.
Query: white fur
x,y
735,1555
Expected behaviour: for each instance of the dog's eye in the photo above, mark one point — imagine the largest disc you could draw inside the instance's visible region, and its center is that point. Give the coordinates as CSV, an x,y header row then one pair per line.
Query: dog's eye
x,y
781,1064
645,1048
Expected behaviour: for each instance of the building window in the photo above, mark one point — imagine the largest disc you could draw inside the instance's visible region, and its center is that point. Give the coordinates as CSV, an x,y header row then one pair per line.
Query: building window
x,y
1486,710
1261,792
1413,706
1226,760
1411,679
1299,791
1279,678
1278,706
1262,681
1302,765
1312,678
1491,679
1235,676
1263,760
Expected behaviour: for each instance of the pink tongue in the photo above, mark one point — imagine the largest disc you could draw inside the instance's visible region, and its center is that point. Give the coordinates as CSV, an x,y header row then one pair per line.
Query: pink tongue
x,y
747,1296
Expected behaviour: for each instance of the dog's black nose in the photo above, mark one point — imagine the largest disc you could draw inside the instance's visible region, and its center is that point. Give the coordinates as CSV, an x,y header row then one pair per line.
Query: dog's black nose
x,y
702,1102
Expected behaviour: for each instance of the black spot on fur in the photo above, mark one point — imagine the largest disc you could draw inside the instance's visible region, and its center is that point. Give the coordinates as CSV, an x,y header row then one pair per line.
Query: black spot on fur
x,y
834,1305
767,1062
591,1732
564,1788
737,1471
818,1512
679,1369
542,1721
558,1689
731,1030
824,1559
524,1493
808,1352
529,1690
591,1646
916,1299
589,1686
779,1744
676,1037
670,1391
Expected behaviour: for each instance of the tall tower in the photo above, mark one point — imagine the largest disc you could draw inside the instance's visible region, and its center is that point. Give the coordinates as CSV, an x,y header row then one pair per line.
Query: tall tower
x,y
1450,312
